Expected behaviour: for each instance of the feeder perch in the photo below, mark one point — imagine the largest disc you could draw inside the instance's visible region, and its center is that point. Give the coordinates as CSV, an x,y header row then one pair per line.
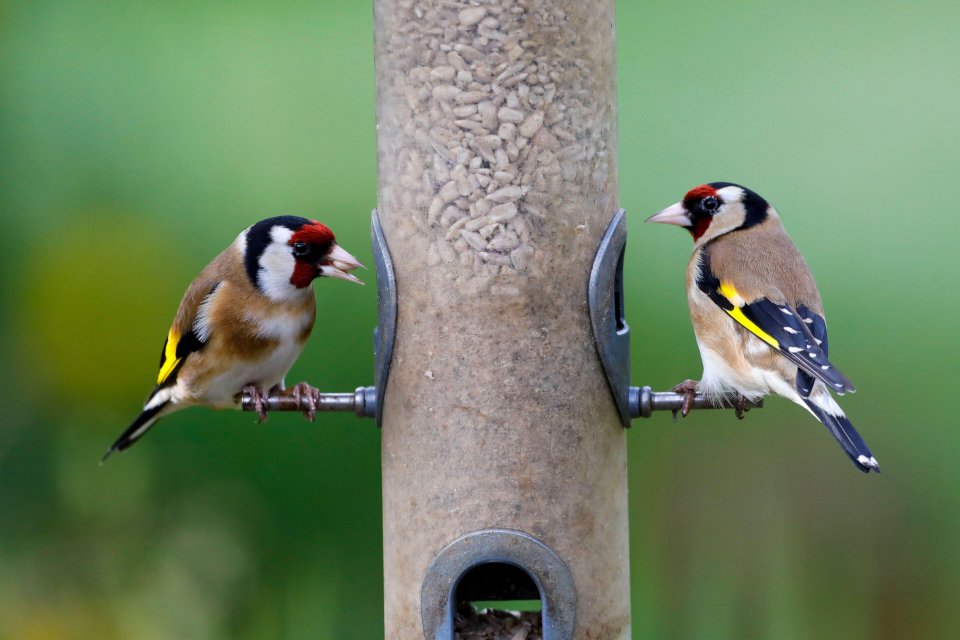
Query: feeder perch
x,y
610,329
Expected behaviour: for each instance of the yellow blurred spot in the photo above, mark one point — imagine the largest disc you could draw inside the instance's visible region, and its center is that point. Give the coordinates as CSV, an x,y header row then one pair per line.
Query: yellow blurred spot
x,y
95,299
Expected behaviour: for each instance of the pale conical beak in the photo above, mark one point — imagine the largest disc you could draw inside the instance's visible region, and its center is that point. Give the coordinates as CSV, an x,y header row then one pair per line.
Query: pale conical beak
x,y
337,263
674,214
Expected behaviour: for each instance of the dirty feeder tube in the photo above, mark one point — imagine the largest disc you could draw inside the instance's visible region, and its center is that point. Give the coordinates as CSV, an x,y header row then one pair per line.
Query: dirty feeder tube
x,y
497,176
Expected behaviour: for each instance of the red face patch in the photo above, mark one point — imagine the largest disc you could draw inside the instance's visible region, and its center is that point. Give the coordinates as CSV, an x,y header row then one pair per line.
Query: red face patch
x,y
319,238
698,193
313,233
691,202
700,226
303,274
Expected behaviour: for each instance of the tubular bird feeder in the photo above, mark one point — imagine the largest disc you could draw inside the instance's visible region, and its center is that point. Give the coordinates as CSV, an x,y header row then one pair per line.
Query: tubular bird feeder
x,y
502,445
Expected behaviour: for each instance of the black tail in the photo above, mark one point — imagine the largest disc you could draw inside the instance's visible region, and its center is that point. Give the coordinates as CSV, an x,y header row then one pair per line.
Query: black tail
x,y
135,431
847,436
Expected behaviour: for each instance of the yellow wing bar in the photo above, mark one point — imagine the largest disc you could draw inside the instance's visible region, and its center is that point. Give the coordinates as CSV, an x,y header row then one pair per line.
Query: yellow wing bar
x,y
730,292
170,359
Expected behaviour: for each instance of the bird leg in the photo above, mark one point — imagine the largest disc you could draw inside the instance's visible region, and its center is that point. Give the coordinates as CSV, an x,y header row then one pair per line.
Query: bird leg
x,y
307,397
688,389
259,401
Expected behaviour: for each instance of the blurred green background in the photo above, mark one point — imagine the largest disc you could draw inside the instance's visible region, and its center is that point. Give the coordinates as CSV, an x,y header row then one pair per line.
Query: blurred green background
x,y
138,138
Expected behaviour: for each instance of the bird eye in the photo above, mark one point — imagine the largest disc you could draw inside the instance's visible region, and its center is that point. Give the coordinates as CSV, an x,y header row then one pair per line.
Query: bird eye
x,y
301,248
709,204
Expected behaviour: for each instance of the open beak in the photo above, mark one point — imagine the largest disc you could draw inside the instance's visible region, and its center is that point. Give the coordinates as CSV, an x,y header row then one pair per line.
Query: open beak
x,y
338,263
674,214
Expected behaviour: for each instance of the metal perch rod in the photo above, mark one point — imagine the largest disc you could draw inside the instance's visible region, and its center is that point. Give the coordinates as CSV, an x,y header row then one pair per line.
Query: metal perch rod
x,y
363,402
644,401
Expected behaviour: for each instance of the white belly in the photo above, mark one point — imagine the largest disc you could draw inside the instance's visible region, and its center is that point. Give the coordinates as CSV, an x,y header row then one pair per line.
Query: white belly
x,y
720,379
265,374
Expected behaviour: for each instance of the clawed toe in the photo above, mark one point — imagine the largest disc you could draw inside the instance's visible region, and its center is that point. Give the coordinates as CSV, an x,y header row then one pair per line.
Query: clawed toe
x,y
259,401
688,389
741,405
307,398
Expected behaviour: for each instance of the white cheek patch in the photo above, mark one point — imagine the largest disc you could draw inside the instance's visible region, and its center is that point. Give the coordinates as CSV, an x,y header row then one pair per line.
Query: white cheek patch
x,y
731,194
276,266
729,216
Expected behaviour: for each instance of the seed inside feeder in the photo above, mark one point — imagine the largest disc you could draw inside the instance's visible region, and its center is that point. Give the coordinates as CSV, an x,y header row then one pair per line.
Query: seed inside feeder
x,y
503,104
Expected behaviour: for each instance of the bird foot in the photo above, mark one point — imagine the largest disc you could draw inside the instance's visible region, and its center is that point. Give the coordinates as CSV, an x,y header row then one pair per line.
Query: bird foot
x,y
308,399
688,389
259,401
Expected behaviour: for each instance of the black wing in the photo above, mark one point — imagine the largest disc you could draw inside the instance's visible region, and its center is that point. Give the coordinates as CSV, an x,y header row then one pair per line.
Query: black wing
x,y
781,326
818,328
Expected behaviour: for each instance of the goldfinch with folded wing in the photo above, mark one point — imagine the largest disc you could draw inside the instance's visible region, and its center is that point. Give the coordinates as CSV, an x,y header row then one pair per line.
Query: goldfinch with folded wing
x,y
756,311
244,321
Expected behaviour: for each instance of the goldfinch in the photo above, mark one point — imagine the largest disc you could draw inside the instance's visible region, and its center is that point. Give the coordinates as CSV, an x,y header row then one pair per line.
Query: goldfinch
x,y
756,311
244,321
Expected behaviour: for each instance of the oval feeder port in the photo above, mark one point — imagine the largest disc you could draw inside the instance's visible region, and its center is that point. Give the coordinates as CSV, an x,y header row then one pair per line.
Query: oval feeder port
x,y
497,565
